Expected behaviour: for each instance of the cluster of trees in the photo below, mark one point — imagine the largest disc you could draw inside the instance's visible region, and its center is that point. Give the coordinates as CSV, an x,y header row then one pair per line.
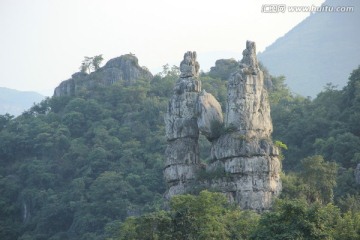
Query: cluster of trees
x,y
80,167
91,63
326,126
209,216
305,210
206,216
71,166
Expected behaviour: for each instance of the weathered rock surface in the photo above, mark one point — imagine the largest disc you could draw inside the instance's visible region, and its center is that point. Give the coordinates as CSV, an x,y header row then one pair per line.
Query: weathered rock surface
x,y
124,68
209,114
243,150
182,132
248,109
237,145
246,151
189,67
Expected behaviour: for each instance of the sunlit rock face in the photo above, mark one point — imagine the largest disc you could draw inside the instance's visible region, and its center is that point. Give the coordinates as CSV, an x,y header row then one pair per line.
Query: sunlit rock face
x,y
246,152
242,150
124,68
182,132
248,108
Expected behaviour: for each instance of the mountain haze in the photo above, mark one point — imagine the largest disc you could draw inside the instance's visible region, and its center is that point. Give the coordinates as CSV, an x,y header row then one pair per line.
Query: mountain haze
x,y
15,102
321,49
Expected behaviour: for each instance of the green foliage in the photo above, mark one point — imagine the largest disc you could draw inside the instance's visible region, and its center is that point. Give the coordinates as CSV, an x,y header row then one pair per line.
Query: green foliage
x,y
320,176
293,186
216,87
314,183
76,167
241,224
223,68
86,65
91,63
279,92
296,219
326,125
69,167
280,144
206,216
96,61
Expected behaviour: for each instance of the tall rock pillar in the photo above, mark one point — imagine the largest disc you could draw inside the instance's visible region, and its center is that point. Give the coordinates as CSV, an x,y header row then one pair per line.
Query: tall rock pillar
x,y
242,148
245,150
182,132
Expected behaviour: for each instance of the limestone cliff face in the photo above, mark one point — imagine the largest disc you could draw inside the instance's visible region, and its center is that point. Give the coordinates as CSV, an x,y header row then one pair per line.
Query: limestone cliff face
x,y
124,68
182,129
243,151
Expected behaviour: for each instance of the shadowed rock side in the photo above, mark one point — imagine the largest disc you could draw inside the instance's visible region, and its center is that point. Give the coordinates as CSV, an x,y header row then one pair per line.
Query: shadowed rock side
x,y
242,150
124,68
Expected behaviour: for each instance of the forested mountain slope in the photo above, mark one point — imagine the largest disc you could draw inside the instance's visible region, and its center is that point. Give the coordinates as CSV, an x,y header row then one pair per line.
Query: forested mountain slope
x,y
75,167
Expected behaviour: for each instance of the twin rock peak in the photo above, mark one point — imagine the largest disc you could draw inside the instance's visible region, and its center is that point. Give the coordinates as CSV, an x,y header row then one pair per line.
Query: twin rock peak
x,y
244,163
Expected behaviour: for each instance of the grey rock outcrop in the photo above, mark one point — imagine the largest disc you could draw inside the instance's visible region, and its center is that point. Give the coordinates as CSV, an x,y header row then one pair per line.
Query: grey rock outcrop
x,y
209,115
189,112
124,68
248,108
243,150
189,67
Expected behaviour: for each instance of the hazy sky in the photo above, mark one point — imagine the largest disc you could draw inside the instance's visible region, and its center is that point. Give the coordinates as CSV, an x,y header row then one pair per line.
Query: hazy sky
x,y
44,41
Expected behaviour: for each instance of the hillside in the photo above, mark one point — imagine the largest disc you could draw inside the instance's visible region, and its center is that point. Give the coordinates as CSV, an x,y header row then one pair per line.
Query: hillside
x,y
15,102
321,49
86,166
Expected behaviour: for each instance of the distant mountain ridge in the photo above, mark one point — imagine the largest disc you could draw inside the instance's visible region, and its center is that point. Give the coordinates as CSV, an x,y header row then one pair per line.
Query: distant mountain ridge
x,y
323,48
15,102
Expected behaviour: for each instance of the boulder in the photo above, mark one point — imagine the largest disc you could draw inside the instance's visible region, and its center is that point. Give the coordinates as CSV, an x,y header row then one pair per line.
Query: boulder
x,y
209,115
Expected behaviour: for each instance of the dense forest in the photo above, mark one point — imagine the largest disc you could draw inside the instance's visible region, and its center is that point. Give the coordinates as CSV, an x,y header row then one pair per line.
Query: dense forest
x,y
90,167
